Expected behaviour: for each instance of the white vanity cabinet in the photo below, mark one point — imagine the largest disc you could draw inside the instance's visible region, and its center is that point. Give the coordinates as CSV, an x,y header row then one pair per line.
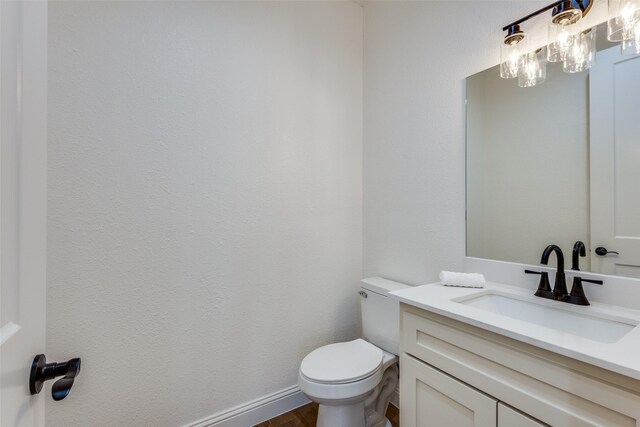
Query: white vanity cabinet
x,y
438,400
454,374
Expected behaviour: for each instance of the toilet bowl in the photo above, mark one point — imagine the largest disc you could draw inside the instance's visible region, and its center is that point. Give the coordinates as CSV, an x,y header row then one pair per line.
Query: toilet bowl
x,y
353,381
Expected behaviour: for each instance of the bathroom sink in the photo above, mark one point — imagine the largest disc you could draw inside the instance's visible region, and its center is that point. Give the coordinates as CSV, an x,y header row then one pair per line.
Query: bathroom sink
x,y
581,321
603,335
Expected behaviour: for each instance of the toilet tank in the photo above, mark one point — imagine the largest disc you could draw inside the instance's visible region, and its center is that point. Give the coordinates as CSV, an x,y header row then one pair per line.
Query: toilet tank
x,y
381,313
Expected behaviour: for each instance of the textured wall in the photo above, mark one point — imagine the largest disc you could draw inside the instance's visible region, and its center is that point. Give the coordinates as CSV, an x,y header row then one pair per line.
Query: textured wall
x,y
417,55
205,200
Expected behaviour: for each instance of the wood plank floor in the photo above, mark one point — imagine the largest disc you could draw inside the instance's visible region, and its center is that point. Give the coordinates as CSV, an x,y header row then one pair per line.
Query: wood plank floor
x,y
305,416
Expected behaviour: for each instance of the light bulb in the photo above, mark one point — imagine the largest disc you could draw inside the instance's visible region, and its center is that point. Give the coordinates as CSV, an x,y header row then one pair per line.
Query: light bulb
x,y
533,69
582,53
631,46
510,52
510,59
624,18
562,38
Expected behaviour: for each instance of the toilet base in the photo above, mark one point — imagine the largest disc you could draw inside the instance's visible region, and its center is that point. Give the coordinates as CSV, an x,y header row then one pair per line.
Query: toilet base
x,y
341,415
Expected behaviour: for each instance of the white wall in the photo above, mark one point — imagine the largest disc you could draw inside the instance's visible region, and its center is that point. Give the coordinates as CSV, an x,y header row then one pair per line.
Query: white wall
x,y
417,55
205,201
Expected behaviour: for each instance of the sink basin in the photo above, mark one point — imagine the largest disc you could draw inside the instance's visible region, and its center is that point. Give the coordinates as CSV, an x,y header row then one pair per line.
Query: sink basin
x,y
553,314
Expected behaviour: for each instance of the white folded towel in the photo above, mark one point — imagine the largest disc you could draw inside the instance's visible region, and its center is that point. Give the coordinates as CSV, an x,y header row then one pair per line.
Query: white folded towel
x,y
462,280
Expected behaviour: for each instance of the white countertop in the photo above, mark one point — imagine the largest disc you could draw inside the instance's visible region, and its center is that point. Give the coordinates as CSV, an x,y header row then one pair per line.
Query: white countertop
x,y
622,357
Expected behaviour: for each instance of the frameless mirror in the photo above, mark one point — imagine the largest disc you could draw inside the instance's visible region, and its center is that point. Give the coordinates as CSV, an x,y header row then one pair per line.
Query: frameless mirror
x,y
557,163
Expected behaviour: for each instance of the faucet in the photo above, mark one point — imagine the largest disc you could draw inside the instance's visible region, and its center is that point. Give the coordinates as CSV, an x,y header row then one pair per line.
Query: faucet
x,y
560,285
579,250
559,292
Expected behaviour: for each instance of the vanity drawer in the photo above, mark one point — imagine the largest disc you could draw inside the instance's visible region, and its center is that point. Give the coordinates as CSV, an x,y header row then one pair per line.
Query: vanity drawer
x,y
554,389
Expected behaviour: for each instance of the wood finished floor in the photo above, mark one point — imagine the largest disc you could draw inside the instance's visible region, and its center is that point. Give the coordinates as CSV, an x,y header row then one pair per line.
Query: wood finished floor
x,y
305,416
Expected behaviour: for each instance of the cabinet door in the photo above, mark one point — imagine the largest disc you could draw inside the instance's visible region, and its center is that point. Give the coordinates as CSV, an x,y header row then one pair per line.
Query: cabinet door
x,y
431,398
509,417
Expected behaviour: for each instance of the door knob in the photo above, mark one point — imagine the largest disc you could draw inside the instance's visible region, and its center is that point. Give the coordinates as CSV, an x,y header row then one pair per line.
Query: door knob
x,y
600,251
42,371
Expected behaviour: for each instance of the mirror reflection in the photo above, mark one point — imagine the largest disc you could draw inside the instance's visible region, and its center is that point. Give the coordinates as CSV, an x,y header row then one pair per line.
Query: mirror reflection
x,y
557,163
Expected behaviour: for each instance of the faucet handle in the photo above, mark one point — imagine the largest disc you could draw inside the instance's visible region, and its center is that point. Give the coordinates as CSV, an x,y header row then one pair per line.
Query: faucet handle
x,y
534,272
544,287
577,295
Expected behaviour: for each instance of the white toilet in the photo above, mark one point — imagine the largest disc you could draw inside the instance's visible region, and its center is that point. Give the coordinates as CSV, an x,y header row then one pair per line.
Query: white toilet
x,y
353,381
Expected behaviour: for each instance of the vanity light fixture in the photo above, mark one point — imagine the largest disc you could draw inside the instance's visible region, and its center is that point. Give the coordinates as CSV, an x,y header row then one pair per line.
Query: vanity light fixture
x,y
569,44
624,25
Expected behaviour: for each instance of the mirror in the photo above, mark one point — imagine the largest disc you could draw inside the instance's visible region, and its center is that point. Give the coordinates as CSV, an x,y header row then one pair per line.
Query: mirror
x,y
557,163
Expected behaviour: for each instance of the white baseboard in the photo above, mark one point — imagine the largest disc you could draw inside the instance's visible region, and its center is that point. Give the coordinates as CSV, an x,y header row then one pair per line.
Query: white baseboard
x,y
265,408
256,411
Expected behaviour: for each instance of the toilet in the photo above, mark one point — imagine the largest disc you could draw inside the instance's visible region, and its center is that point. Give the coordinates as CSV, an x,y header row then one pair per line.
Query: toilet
x,y
353,381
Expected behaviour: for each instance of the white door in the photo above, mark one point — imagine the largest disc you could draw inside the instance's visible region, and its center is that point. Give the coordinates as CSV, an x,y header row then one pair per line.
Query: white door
x,y
614,86
23,221
431,398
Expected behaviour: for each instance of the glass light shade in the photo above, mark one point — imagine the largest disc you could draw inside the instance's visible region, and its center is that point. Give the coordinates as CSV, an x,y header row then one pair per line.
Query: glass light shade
x,y
510,58
582,53
632,45
561,37
624,16
533,69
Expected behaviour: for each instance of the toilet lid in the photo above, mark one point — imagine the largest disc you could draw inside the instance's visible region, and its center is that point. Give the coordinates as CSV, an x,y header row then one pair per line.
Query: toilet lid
x,y
343,362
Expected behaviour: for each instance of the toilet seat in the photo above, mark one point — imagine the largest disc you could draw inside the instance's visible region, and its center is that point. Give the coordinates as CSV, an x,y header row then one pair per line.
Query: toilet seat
x,y
337,374
342,363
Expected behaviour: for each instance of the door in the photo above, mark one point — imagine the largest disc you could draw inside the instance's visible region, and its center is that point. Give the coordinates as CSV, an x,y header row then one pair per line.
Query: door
x,y
23,220
614,85
431,398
